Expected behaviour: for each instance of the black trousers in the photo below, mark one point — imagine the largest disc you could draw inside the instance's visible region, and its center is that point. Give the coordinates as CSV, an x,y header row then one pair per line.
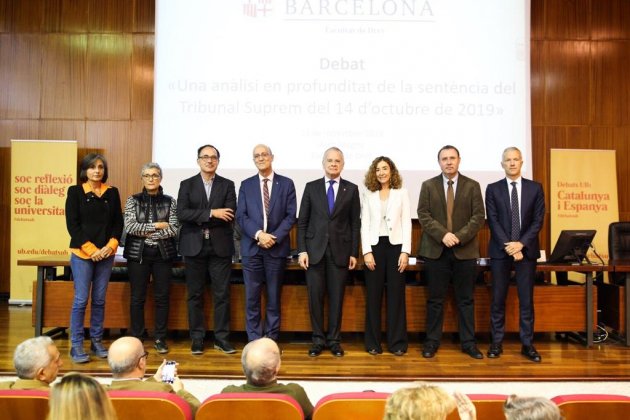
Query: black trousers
x,y
139,276
385,275
326,276
525,273
197,270
440,273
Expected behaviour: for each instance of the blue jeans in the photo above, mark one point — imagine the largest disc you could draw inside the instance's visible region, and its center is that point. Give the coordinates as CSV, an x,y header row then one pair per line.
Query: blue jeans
x,y
88,274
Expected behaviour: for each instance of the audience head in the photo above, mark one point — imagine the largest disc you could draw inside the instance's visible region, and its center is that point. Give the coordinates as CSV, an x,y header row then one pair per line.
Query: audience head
x,y
372,182
530,408
261,361
127,358
37,358
78,397
90,161
420,402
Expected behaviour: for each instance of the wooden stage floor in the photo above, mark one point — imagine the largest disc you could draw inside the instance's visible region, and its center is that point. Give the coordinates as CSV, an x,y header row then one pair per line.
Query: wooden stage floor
x,y
563,360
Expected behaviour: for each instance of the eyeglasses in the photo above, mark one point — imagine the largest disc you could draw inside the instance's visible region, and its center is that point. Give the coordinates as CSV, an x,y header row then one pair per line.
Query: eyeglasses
x,y
263,155
151,176
207,158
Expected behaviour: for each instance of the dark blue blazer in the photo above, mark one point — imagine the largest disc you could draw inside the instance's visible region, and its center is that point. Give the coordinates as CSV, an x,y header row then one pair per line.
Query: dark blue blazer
x,y
499,214
282,214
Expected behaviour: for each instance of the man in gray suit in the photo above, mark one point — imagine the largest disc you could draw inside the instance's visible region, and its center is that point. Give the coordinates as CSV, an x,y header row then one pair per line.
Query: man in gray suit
x,y
451,212
329,226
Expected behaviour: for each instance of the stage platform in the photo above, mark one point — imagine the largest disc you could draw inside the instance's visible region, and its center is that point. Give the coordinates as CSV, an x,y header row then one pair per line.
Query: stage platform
x,y
563,359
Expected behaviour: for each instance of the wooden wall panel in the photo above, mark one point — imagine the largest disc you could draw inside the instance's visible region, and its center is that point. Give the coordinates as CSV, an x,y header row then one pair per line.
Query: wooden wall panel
x,y
567,77
611,83
111,16
144,16
567,19
63,79
20,72
108,77
142,77
537,83
62,130
23,15
73,16
610,19
537,20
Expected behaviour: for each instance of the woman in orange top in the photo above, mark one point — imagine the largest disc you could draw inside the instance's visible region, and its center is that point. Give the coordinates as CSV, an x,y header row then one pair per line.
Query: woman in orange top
x,y
94,221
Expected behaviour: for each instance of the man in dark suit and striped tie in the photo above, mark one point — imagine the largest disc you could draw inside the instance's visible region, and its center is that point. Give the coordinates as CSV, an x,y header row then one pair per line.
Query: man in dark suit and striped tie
x,y
516,211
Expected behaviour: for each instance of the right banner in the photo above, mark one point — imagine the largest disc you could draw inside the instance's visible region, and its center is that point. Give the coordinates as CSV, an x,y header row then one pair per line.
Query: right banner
x,y
584,195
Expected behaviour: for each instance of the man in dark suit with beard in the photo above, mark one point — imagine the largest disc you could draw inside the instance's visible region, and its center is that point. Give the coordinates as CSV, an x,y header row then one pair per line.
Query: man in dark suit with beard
x,y
516,211
205,207
329,225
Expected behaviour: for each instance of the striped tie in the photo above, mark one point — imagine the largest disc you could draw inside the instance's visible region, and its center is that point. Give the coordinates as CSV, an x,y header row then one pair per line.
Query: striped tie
x,y
266,195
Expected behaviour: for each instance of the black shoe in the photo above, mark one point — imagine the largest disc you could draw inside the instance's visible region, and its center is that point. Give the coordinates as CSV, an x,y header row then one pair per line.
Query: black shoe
x,y
429,350
315,350
531,353
161,346
224,346
374,352
336,350
473,352
399,352
197,346
495,350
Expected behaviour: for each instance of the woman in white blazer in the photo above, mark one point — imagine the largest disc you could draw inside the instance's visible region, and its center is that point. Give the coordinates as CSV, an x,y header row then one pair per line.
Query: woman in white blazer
x,y
386,242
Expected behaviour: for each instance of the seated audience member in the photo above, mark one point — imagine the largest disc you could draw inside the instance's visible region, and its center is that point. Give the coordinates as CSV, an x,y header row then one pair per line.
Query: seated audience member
x,y
427,402
37,362
77,397
128,363
530,408
261,364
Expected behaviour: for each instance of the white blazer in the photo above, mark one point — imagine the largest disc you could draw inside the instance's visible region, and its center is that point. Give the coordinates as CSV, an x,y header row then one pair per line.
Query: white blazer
x,y
398,219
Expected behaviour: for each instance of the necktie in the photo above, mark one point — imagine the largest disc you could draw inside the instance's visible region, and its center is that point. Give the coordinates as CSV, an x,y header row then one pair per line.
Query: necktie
x,y
450,203
331,196
516,224
266,195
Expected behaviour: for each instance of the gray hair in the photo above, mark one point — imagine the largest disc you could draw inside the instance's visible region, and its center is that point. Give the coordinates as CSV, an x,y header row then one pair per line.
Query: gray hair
x,y
511,149
530,408
331,149
151,165
265,146
262,371
32,355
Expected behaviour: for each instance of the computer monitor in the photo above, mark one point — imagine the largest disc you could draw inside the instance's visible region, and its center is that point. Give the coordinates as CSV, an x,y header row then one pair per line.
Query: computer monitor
x,y
572,246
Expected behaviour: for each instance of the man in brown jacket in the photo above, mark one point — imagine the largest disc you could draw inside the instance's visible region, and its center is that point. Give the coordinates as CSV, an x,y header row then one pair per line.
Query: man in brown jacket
x,y
451,212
